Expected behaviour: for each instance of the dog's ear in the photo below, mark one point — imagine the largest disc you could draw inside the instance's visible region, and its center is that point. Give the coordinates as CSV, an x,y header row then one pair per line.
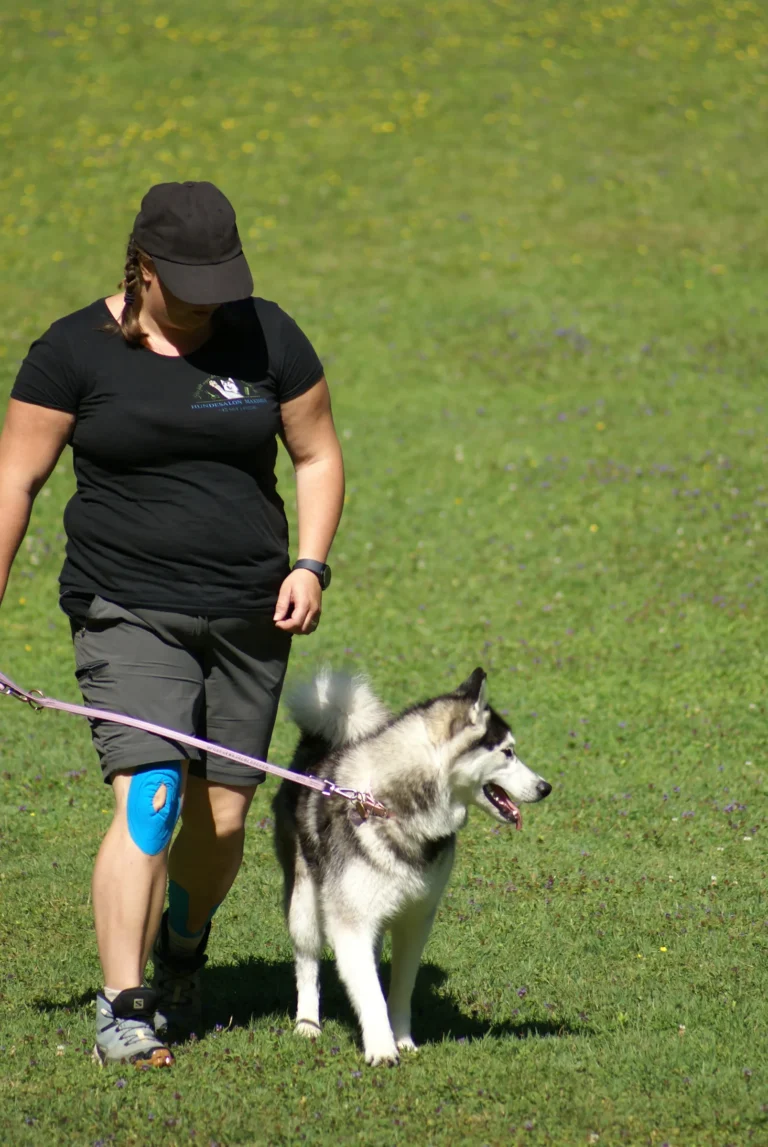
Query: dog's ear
x,y
474,689
472,686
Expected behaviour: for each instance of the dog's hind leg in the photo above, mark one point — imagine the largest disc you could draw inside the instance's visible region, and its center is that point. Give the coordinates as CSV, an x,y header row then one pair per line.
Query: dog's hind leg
x,y
305,927
409,935
354,948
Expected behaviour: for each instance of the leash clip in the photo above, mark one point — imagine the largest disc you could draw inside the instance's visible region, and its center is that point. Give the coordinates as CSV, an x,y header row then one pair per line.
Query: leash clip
x,y
365,804
374,807
32,704
11,691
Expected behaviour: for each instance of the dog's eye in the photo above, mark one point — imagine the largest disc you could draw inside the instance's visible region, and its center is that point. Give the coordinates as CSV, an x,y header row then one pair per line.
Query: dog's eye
x,y
510,753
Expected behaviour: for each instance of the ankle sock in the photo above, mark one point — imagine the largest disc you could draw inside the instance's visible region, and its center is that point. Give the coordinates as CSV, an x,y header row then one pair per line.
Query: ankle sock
x,y
111,994
184,945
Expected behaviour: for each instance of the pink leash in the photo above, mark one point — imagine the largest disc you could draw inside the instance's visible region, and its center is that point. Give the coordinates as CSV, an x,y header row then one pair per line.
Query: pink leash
x,y
365,802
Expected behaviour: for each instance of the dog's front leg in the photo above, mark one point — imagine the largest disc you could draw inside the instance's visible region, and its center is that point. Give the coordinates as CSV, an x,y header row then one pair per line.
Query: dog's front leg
x,y
410,932
354,948
409,935
306,931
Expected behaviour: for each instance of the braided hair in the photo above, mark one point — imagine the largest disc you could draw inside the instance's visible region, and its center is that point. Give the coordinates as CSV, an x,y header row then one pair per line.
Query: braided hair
x,y
128,324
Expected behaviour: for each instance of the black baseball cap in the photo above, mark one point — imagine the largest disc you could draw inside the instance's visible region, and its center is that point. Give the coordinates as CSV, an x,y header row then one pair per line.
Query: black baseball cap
x,y
189,229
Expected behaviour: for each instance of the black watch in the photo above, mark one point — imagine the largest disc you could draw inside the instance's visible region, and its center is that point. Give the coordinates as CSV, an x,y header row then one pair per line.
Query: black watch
x,y
321,571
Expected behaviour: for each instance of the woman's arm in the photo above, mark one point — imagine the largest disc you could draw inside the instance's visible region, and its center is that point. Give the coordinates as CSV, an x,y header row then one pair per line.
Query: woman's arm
x,y
32,439
310,438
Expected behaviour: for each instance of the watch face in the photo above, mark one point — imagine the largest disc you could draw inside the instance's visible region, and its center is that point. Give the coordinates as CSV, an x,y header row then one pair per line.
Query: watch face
x,y
325,577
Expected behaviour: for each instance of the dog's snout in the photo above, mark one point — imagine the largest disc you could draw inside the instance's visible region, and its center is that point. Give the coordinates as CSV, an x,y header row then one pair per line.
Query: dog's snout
x,y
543,788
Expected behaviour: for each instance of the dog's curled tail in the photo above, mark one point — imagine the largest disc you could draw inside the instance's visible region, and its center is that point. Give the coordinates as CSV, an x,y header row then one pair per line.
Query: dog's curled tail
x,y
339,707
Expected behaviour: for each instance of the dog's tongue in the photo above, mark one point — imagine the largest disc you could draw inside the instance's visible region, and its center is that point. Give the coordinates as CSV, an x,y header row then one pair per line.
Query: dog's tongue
x,y
515,814
507,806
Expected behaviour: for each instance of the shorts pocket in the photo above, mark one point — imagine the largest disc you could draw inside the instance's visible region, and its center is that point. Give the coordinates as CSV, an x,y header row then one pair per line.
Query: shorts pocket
x,y
96,619
90,671
101,615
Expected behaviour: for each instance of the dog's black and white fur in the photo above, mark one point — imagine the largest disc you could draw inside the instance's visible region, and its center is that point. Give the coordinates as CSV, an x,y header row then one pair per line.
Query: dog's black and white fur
x,y
350,878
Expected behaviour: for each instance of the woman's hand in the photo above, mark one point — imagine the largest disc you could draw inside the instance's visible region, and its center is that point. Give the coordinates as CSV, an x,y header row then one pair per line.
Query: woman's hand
x,y
299,603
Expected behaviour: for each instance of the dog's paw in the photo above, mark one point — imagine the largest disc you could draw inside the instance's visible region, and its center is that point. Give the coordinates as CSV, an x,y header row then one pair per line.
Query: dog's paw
x,y
406,1044
308,1029
385,1055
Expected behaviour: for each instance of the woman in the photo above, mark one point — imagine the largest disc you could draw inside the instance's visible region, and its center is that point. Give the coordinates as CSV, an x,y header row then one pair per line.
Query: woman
x,y
176,579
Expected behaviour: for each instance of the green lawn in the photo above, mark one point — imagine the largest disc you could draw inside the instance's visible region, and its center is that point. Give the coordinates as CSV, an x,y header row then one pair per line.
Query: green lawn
x,y
528,242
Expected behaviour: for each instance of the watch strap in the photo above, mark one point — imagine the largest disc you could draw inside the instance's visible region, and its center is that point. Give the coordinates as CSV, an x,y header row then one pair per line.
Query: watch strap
x,y
319,569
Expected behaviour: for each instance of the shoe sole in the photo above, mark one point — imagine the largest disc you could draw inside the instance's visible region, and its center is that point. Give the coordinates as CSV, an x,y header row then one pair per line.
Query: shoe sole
x,y
158,1057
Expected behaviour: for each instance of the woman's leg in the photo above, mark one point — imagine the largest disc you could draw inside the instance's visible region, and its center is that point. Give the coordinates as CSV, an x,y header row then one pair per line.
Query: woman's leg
x,y
128,891
129,876
206,854
204,861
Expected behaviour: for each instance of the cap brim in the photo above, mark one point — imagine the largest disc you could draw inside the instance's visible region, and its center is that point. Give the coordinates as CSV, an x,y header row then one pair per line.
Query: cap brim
x,y
209,283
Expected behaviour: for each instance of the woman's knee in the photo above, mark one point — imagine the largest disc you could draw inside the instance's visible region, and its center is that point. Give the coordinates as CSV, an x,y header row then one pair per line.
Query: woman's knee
x,y
148,799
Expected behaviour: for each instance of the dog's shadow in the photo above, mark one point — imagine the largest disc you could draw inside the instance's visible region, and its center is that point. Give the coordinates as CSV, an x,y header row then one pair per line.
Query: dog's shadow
x,y
257,989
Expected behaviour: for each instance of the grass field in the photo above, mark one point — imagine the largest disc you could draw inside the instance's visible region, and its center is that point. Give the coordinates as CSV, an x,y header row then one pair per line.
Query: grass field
x,y
529,243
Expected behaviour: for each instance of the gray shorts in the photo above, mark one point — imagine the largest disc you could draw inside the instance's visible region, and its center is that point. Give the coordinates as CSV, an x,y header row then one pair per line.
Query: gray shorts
x,y
216,678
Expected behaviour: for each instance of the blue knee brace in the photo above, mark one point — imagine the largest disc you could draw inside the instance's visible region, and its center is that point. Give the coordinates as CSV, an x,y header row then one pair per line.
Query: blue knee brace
x,y
151,829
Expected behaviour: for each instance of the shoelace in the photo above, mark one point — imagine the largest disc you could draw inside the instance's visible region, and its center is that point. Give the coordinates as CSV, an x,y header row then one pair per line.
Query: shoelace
x,y
129,1031
183,986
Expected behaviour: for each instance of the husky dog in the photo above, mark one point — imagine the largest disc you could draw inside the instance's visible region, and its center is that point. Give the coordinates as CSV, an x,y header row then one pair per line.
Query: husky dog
x,y
350,876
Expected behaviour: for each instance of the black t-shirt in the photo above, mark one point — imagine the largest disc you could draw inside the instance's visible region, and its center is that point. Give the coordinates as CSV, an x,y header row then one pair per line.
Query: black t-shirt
x,y
176,505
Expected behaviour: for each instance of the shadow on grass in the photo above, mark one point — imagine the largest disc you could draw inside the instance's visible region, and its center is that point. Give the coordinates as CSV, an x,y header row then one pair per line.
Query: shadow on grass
x,y
258,989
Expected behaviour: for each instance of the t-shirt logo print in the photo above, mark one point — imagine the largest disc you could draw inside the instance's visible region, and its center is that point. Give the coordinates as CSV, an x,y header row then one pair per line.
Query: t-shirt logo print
x,y
226,386
225,392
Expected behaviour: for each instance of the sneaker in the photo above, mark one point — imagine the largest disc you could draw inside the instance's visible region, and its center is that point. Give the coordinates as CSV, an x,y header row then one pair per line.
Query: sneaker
x,y
124,1032
176,980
